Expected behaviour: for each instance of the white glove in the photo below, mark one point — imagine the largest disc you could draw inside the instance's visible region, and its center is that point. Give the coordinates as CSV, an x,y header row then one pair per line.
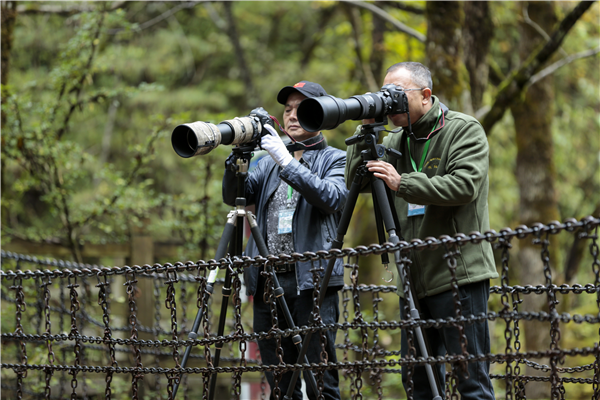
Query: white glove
x,y
274,146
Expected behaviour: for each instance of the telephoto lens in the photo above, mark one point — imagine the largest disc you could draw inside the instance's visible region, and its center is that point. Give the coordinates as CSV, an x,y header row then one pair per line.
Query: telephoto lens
x,y
199,138
327,112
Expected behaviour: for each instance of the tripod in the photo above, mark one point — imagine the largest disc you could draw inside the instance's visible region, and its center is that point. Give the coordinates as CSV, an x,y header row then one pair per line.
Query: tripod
x,y
386,219
233,236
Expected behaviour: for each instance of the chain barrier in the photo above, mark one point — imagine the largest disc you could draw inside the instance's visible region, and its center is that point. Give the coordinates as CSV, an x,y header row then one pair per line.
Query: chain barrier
x,y
102,348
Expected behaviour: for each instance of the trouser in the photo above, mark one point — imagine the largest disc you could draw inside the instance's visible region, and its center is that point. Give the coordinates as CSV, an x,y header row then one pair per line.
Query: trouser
x,y
300,306
473,300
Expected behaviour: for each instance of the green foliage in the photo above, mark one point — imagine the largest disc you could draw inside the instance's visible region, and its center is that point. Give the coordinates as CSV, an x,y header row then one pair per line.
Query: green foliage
x,y
93,97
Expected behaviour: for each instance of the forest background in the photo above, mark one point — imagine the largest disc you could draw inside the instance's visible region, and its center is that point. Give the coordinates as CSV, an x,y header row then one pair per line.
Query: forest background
x,y
91,92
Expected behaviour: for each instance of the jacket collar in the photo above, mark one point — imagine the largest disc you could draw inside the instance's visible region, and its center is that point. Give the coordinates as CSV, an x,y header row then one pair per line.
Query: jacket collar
x,y
424,127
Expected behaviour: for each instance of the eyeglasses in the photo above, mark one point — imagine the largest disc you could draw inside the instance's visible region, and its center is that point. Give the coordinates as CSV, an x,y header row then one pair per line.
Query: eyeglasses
x,y
410,90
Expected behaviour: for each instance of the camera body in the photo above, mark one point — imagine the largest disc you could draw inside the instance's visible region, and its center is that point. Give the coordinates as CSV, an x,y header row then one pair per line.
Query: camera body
x,y
327,112
199,138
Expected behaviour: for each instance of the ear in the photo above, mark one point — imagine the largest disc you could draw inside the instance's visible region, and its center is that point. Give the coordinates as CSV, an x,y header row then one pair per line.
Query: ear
x,y
426,93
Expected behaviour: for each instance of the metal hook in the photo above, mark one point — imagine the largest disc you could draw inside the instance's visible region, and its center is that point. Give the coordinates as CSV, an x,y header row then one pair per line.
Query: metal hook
x,y
389,272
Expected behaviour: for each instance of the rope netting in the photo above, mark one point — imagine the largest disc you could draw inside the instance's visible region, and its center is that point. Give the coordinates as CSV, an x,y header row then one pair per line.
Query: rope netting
x,y
85,331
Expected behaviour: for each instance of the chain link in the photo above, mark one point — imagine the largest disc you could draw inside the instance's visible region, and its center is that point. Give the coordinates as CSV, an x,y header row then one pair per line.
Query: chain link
x,y
43,329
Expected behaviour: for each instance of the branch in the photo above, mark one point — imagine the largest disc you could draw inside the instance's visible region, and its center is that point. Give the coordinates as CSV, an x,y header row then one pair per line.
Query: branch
x,y
79,86
576,252
404,7
354,17
186,48
387,17
160,18
252,96
66,11
561,63
141,158
535,25
518,80
313,40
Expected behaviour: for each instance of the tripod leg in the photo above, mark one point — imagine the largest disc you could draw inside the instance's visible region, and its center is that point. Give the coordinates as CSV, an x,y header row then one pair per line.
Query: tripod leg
x,y
379,187
226,238
337,244
235,248
385,260
264,251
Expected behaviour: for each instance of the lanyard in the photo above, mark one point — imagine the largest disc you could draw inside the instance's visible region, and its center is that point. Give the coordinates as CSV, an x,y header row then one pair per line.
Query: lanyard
x,y
290,192
424,148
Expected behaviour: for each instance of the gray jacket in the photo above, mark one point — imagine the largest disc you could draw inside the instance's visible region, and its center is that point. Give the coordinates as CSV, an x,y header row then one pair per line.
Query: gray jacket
x,y
323,194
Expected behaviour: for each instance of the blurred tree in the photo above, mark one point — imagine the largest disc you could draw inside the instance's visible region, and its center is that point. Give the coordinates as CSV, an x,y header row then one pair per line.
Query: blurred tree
x,y
214,60
535,173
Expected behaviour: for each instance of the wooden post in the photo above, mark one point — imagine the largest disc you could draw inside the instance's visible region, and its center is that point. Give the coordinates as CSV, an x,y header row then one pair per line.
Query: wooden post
x,y
142,252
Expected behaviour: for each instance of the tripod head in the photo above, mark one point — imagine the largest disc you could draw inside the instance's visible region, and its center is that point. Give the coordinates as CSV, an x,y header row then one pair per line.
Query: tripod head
x,y
369,133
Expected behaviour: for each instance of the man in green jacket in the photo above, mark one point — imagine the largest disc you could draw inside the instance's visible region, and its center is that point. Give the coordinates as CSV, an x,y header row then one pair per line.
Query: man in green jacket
x,y
441,188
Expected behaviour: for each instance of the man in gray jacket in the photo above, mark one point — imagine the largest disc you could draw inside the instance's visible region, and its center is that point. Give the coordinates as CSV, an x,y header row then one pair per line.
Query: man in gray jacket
x,y
299,197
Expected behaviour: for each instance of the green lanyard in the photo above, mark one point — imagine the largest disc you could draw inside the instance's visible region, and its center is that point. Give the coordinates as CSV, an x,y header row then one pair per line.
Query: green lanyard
x,y
290,192
424,148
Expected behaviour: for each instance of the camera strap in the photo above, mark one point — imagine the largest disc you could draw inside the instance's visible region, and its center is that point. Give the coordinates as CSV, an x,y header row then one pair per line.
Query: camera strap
x,y
425,149
314,143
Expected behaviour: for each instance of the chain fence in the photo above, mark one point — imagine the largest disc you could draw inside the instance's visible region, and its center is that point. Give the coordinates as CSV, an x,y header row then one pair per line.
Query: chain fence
x,y
83,331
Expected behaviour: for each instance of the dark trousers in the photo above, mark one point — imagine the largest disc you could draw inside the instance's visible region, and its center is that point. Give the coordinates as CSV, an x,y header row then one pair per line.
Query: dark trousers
x,y
473,299
300,306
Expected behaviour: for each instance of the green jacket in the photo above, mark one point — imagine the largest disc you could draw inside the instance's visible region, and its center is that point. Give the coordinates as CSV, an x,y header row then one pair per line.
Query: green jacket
x,y
453,187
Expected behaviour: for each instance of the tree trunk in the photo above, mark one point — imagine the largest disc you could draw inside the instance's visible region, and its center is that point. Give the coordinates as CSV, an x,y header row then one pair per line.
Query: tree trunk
x,y
477,34
377,49
8,16
535,173
252,96
444,49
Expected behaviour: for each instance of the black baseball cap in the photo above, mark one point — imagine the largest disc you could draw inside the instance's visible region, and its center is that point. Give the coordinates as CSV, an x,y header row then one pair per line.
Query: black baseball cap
x,y
309,89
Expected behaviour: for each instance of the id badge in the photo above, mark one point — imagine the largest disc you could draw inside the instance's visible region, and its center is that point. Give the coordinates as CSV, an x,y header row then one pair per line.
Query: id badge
x,y
415,209
285,221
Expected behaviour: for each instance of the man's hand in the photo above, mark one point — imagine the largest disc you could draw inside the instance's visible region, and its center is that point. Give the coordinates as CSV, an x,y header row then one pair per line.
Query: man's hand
x,y
386,172
274,146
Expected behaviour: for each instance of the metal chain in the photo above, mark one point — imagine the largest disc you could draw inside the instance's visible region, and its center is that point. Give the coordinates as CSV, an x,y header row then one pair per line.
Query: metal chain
x,y
453,382
519,385
103,302
171,305
411,352
132,293
20,308
85,318
450,257
48,332
358,319
74,334
375,351
157,332
269,298
239,330
552,302
317,322
595,253
505,245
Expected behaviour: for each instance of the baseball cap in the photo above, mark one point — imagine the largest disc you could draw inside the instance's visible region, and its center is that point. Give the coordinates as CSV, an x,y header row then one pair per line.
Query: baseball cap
x,y
309,89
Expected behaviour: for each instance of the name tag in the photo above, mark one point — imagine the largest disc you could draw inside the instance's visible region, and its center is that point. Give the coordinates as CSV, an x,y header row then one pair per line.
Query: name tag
x,y
415,209
285,221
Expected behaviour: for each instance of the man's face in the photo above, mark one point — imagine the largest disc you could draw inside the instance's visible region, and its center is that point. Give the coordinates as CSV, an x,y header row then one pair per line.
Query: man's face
x,y
418,102
290,118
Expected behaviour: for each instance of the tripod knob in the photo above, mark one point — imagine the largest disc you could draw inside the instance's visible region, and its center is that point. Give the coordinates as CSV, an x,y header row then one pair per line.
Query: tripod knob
x,y
394,153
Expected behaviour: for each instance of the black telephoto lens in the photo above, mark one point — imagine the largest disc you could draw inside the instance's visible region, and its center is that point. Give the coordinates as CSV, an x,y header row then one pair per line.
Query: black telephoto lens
x,y
327,112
